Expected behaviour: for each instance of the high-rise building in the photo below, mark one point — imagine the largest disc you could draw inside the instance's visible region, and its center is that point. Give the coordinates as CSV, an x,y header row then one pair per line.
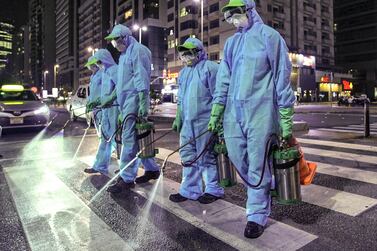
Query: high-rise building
x,y
150,14
42,42
18,53
66,43
305,25
355,25
6,45
94,25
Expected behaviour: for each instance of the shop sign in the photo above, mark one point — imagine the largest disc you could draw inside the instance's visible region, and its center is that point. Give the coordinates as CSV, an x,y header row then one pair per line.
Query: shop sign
x,y
347,85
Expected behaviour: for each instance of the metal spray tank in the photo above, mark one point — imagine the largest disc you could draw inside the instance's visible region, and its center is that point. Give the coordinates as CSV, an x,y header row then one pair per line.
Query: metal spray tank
x,y
287,174
226,171
145,137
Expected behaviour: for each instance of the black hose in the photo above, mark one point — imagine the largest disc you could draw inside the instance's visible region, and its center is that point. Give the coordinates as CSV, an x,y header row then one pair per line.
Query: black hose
x,y
120,126
176,150
210,141
267,153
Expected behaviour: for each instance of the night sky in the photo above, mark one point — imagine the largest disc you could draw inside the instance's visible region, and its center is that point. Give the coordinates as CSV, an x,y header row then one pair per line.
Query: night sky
x,y
14,10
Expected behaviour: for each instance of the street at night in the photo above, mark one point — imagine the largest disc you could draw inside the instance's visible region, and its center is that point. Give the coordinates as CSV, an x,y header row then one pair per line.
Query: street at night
x,y
174,125
49,203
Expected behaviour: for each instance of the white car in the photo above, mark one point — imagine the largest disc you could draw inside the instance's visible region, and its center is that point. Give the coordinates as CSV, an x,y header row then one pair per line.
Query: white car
x,y
21,108
170,93
76,104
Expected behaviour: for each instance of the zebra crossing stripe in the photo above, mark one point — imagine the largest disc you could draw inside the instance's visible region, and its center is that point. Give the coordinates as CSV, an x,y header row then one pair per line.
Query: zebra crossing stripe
x,y
347,172
53,217
354,129
338,144
339,201
342,130
341,155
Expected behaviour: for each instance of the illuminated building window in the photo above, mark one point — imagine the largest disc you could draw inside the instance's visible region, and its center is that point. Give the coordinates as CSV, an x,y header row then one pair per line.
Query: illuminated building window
x,y
128,14
183,12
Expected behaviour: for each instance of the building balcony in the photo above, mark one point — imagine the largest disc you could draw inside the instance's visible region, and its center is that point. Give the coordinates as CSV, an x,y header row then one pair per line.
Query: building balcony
x,y
279,15
309,8
309,23
326,28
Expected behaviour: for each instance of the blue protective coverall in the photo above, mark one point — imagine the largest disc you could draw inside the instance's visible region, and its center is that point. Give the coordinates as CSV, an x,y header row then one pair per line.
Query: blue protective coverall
x,y
95,94
134,73
196,87
109,115
253,82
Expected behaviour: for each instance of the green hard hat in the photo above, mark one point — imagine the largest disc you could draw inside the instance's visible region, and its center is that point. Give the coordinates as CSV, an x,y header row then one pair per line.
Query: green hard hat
x,y
186,46
233,4
92,60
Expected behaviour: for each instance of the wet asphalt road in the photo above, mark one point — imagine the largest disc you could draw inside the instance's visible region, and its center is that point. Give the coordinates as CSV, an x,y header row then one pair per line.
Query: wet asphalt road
x,y
165,230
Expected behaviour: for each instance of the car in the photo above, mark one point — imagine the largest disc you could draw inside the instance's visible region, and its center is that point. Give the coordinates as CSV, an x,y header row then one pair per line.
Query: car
x,y
169,93
360,100
20,107
76,104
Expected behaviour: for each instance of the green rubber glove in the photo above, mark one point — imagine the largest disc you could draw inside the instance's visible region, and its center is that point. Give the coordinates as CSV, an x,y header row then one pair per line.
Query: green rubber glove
x,y
215,123
177,124
90,105
286,122
143,106
109,100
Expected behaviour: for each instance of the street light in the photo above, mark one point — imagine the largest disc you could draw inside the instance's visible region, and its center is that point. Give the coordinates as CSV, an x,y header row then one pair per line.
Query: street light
x,y
92,50
136,27
202,17
44,79
55,72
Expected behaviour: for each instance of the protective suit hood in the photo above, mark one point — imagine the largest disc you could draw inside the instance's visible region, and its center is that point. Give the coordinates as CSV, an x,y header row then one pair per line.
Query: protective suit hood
x,y
252,14
105,57
198,44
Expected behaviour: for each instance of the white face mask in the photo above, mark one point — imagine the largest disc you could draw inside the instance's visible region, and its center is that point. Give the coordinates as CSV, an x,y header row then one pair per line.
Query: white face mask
x,y
240,20
100,66
189,59
119,44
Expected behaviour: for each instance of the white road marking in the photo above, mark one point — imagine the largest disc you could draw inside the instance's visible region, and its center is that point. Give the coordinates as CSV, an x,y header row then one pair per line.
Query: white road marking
x,y
347,172
53,217
341,155
339,201
341,130
354,129
338,144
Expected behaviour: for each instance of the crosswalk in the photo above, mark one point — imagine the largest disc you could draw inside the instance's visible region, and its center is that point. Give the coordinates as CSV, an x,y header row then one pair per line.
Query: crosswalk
x,y
358,129
215,219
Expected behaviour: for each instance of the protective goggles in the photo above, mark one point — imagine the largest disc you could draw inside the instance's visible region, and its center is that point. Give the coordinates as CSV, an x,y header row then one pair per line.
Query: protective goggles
x,y
189,54
234,13
117,41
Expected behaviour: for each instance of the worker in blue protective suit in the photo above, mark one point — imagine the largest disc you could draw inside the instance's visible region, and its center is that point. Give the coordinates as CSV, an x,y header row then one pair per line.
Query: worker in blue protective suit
x,y
133,98
94,98
196,86
254,97
103,59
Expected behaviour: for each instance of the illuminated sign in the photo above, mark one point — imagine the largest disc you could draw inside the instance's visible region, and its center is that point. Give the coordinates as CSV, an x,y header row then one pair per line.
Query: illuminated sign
x,y
347,85
173,75
300,60
325,79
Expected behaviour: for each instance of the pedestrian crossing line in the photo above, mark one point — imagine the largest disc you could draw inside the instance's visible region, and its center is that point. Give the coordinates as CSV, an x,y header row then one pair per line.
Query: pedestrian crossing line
x,y
342,130
339,201
362,126
341,155
347,172
53,217
354,129
226,221
337,144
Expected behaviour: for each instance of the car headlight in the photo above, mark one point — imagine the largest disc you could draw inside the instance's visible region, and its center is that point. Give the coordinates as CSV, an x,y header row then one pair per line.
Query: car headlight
x,y
1,109
42,110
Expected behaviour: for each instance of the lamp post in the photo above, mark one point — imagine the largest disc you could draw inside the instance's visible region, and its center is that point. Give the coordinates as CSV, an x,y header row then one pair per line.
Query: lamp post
x,y
45,78
136,27
55,73
201,18
92,50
